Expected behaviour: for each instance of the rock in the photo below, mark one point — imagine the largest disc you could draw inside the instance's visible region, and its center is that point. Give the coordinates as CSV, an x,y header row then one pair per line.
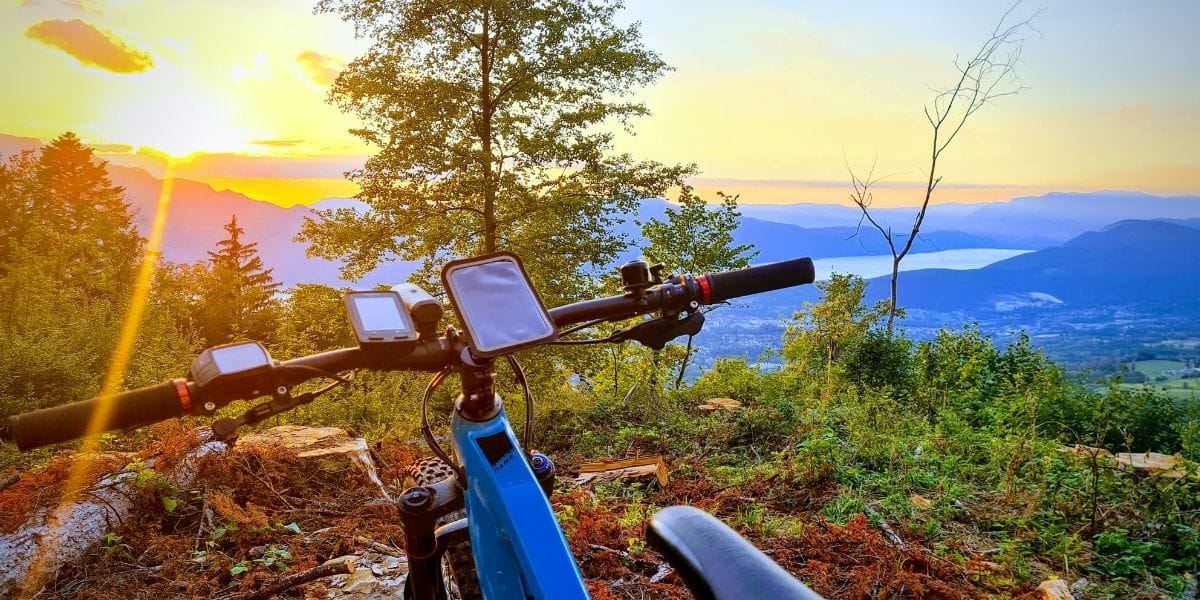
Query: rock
x,y
51,538
376,576
1055,589
319,442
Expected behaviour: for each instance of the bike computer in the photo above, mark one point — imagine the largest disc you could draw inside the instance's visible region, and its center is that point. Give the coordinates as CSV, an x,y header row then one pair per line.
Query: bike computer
x,y
379,318
232,368
497,304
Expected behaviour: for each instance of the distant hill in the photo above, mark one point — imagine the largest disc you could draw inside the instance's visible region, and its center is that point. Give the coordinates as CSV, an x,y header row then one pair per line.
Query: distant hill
x,y
1028,222
1148,264
198,214
781,241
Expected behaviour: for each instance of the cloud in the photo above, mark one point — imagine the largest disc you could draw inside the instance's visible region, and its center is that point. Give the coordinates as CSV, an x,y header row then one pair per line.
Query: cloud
x,y
322,69
90,46
112,148
277,143
76,5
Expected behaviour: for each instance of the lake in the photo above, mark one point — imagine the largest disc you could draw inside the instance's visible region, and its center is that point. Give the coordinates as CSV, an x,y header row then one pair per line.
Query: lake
x,y
874,266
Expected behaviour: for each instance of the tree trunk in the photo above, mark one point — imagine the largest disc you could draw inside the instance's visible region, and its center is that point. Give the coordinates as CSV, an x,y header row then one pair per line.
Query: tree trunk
x,y
892,300
485,133
683,367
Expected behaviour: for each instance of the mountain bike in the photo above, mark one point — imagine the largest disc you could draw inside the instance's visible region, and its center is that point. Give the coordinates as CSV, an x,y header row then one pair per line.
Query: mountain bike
x,y
519,551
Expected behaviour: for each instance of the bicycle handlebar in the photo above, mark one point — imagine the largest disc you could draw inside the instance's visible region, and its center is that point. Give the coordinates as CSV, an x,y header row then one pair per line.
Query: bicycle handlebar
x,y
132,408
176,398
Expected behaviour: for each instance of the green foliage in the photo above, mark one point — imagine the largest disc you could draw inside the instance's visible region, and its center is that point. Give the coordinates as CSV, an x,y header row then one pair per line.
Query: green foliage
x,y
69,253
819,334
312,319
880,360
695,239
114,545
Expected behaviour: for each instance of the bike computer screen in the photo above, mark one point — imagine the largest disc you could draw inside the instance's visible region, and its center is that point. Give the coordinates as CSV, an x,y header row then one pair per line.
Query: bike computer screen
x,y
232,367
379,318
497,304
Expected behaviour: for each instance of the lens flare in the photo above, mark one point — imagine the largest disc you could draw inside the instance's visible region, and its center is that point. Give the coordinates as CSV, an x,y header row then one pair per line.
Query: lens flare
x,y
113,380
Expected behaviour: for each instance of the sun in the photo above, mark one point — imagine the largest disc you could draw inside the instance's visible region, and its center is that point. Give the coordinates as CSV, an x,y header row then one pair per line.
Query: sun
x,y
176,120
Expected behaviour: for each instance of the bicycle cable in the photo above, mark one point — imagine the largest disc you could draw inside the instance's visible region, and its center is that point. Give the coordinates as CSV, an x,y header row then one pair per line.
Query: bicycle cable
x,y
519,375
427,431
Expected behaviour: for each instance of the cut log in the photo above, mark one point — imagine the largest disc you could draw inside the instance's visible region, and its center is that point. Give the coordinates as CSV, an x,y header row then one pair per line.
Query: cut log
x,y
319,442
51,537
630,468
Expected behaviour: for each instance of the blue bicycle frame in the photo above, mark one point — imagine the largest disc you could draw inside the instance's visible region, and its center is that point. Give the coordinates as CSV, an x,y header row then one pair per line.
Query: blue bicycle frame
x,y
519,549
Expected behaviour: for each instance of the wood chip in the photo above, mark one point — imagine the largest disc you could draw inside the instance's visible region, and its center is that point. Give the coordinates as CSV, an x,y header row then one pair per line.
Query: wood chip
x,y
619,470
720,404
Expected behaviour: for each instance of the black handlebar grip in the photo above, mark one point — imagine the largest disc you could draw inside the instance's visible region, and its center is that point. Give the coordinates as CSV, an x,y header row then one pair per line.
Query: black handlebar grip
x,y
755,280
133,408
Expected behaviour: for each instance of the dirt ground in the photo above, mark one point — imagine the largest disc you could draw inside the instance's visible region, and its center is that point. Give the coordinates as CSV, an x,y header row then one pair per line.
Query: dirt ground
x,y
253,516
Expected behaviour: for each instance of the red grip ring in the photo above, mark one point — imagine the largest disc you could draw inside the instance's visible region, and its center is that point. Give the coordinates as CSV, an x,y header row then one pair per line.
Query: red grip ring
x,y
185,397
705,289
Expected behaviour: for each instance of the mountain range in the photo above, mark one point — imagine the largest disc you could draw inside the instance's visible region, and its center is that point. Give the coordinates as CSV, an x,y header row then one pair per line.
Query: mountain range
x,y
1129,261
1026,222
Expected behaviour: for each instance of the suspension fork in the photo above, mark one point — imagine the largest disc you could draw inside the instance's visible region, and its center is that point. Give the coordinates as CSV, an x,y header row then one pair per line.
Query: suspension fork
x,y
425,542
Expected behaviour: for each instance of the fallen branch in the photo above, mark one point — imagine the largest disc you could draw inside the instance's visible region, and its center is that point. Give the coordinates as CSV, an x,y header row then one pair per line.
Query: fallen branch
x,y
663,570
301,578
378,547
607,549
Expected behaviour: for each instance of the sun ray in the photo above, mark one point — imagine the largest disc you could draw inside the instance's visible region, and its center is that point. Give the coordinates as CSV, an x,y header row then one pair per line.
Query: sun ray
x,y
113,380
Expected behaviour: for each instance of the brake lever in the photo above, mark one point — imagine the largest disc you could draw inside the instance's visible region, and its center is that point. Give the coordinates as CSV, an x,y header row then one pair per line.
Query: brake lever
x,y
281,402
655,333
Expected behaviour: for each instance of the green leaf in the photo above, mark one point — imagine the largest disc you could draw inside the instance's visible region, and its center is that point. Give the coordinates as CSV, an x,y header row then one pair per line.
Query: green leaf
x,y
292,527
239,567
169,503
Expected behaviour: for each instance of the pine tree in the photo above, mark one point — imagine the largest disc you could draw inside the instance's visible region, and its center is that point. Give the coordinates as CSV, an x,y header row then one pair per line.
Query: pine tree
x,y
238,301
69,253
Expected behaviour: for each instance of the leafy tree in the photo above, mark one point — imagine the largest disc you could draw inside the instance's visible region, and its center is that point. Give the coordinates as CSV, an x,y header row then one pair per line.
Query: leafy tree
x,y
237,297
694,239
820,333
312,319
880,361
491,121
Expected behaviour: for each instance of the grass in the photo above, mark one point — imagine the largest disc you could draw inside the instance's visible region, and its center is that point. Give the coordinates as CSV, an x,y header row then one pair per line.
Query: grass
x,y
1152,368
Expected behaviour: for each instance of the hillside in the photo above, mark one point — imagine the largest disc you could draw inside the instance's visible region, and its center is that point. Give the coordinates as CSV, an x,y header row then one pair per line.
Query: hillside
x,y
1149,264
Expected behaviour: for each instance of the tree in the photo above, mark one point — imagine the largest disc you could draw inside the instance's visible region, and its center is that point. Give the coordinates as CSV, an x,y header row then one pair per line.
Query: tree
x,y
491,121
313,320
820,333
69,254
988,75
237,297
694,239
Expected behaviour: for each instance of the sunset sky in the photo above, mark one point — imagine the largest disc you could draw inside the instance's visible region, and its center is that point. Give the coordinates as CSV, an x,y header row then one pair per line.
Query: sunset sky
x,y
768,96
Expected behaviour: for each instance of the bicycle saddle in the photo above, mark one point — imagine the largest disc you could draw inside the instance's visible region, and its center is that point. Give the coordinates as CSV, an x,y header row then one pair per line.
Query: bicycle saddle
x,y
715,562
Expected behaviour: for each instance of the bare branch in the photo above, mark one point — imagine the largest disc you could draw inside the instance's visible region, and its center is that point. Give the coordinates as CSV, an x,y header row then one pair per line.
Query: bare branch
x,y
988,75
